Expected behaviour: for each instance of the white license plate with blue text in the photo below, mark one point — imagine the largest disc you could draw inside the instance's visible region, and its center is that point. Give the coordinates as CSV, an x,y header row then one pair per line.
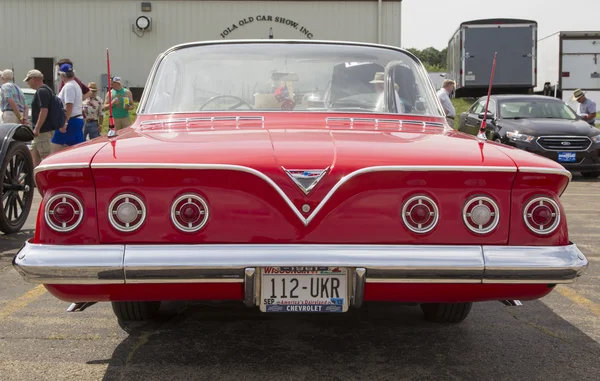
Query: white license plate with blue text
x,y
304,289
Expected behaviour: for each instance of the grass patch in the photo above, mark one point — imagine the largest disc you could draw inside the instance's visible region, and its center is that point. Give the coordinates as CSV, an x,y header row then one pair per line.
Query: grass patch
x,y
461,105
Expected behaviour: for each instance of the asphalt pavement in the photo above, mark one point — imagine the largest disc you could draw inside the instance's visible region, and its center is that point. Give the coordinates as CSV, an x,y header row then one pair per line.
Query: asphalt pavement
x,y
555,338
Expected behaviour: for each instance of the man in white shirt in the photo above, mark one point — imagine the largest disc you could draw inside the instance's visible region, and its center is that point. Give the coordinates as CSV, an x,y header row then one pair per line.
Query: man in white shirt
x,y
72,98
444,96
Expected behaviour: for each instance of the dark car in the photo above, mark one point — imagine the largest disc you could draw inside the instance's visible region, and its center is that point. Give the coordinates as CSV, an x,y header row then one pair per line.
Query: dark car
x,y
543,125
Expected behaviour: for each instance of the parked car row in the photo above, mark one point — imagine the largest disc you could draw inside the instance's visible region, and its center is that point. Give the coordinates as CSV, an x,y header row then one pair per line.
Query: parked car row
x,y
539,124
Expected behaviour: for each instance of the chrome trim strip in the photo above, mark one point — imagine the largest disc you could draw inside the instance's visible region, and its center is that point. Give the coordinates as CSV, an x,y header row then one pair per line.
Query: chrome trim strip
x,y
71,264
358,287
107,264
49,167
249,289
533,264
549,171
288,201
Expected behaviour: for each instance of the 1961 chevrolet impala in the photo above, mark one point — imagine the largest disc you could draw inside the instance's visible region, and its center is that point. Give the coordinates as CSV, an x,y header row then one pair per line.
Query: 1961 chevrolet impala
x,y
229,187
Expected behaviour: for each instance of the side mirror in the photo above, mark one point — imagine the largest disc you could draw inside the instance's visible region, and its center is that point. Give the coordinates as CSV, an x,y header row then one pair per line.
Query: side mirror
x,y
490,115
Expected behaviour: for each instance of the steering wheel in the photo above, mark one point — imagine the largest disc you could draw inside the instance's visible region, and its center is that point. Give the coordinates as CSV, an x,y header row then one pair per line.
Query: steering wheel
x,y
235,106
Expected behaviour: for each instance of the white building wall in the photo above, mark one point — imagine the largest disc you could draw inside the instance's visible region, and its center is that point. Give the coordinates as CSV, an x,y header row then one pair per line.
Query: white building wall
x,y
82,29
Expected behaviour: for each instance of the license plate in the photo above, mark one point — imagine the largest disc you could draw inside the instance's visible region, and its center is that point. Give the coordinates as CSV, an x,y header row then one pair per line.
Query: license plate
x,y
304,289
567,157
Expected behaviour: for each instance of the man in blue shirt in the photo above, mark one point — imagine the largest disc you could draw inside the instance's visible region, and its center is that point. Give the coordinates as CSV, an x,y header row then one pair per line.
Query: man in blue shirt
x,y
586,108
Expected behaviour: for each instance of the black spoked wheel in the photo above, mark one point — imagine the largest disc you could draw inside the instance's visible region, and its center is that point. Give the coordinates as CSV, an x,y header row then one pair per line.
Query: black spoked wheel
x,y
16,188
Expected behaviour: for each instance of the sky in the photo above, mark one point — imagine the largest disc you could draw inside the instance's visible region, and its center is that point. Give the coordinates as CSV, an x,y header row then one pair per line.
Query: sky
x,y
428,23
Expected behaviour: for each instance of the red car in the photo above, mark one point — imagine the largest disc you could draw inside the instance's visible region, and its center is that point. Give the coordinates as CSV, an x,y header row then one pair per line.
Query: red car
x,y
221,191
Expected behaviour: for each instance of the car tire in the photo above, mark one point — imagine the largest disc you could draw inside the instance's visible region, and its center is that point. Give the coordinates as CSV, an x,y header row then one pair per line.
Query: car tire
x,y
590,175
446,312
135,311
20,195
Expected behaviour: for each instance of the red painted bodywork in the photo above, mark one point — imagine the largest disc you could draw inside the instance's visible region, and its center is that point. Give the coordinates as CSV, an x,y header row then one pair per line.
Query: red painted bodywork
x,y
376,292
245,209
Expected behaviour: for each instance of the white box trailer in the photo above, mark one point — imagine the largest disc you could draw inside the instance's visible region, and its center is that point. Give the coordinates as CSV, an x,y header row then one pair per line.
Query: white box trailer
x,y
471,53
569,60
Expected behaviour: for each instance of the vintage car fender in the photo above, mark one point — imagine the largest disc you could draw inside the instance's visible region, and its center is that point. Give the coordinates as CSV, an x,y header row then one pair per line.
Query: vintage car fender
x,y
10,132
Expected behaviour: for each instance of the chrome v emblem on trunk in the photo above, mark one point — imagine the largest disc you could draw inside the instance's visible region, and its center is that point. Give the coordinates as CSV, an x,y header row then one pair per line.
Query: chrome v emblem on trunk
x,y
306,179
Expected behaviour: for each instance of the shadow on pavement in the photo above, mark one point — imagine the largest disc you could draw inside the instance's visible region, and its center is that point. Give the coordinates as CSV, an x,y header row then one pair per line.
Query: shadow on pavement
x,y
390,342
9,243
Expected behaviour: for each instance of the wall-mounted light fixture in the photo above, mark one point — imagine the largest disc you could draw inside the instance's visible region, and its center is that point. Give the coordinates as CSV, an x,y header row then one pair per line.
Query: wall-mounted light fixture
x,y
143,24
146,7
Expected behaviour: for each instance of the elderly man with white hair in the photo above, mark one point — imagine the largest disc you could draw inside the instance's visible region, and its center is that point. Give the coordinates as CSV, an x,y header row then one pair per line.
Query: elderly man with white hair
x,y
14,107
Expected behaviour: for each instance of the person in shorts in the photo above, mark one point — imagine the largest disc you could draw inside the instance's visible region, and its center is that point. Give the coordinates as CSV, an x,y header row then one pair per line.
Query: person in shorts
x,y
43,127
12,100
72,98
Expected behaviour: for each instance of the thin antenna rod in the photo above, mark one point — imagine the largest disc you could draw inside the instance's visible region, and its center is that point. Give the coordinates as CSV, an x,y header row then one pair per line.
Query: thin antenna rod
x,y
481,134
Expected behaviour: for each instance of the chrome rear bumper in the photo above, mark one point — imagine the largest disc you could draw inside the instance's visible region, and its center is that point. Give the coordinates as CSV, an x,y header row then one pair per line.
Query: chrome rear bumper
x,y
128,264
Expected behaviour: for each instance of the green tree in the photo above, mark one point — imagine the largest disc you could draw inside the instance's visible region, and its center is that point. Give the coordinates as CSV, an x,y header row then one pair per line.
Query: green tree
x,y
433,59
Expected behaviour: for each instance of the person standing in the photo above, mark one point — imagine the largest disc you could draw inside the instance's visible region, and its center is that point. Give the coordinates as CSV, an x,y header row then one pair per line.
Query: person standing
x,y
72,98
444,96
92,113
84,89
122,103
14,107
43,126
586,108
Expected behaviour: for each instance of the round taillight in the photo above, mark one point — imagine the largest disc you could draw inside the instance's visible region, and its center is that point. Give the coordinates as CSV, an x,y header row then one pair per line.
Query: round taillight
x,y
481,215
420,214
189,213
63,212
542,215
126,212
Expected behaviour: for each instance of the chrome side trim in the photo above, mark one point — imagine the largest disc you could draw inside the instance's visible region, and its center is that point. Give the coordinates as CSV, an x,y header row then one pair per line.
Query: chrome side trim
x,y
533,264
48,167
107,264
549,171
71,264
288,201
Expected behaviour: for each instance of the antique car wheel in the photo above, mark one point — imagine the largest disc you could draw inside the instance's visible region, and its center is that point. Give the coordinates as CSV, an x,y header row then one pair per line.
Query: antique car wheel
x,y
135,311
446,312
590,175
16,188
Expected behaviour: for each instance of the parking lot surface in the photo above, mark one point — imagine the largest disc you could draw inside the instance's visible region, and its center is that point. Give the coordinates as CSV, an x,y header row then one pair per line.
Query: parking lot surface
x,y
555,338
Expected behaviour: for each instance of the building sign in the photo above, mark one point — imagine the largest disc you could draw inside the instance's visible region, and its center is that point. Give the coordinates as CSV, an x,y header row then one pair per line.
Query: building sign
x,y
275,19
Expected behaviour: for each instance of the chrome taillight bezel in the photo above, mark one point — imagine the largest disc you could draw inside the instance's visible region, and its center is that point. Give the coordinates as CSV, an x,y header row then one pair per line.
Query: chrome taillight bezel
x,y
528,212
413,226
484,202
204,214
48,211
125,227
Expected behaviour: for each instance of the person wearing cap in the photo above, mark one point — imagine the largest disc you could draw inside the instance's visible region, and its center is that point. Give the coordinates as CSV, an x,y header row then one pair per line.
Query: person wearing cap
x,y
72,98
84,89
43,127
92,113
378,81
586,108
14,107
122,103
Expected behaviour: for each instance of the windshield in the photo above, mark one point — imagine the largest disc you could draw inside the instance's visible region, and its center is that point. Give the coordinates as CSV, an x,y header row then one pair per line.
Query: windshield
x,y
288,76
536,109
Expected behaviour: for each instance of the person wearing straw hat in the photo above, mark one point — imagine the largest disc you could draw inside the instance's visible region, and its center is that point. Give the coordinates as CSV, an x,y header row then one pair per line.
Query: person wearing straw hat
x,y
378,81
586,108
92,113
